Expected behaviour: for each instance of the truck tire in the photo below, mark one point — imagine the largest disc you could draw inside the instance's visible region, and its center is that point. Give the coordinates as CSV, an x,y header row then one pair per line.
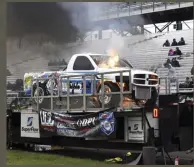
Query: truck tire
x,y
41,90
109,100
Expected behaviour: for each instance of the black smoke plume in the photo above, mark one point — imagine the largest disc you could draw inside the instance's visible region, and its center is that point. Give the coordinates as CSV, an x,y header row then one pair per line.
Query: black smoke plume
x,y
49,19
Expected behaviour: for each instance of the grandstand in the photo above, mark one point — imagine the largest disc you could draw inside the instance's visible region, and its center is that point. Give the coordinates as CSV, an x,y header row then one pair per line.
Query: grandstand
x,y
143,50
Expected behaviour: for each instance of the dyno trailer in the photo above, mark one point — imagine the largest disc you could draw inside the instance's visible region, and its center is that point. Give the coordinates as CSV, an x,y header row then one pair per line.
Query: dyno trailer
x,y
135,126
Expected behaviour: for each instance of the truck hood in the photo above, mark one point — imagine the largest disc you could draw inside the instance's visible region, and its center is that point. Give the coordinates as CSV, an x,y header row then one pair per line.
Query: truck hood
x,y
136,71
133,71
112,69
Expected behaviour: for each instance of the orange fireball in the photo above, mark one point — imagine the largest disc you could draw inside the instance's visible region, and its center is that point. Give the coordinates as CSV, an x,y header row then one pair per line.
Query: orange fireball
x,y
114,58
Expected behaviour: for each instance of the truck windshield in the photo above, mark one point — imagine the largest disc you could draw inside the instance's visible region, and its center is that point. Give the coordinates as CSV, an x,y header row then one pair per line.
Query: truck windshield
x,y
107,61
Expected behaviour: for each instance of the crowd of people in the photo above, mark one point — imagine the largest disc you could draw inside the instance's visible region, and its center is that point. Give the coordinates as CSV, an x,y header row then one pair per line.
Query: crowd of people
x,y
174,63
174,42
176,52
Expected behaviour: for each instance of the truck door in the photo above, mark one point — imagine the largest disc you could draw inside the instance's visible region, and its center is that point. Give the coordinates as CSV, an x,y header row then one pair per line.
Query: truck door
x,y
82,65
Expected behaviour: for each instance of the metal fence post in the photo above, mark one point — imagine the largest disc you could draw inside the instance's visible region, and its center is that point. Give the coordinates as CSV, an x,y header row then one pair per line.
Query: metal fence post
x,y
84,94
52,82
94,84
177,85
102,90
153,6
130,82
169,84
121,90
37,98
166,83
129,8
68,92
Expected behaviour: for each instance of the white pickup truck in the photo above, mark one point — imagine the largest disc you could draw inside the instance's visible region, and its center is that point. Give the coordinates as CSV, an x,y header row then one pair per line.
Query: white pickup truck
x,y
90,63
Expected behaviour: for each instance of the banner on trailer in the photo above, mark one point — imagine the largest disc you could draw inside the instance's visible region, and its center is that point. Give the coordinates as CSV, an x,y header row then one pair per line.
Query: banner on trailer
x,y
100,124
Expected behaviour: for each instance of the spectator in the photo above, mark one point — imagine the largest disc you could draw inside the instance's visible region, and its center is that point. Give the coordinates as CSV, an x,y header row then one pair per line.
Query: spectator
x,y
167,43
182,41
167,63
171,73
175,62
187,81
174,42
191,82
177,51
171,52
186,84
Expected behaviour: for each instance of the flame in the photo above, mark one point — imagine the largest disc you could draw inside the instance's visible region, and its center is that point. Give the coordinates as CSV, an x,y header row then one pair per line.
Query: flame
x,y
113,59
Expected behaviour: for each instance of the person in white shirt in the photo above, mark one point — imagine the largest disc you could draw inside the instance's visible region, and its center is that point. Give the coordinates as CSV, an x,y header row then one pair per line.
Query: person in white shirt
x,y
171,73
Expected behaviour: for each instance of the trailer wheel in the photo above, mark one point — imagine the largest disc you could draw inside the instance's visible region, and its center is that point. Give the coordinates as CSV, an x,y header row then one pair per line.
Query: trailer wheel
x,y
109,100
39,91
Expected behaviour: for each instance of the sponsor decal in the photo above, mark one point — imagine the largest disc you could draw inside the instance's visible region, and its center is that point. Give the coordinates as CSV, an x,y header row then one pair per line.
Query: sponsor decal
x,y
46,118
76,85
107,122
86,122
135,129
30,130
65,125
30,125
29,122
96,124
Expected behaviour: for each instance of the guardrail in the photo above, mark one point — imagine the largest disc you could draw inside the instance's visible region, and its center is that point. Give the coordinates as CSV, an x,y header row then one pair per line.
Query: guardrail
x,y
63,85
171,85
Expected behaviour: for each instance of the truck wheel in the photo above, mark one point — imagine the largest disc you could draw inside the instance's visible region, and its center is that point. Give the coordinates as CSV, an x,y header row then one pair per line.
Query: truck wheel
x,y
109,100
40,91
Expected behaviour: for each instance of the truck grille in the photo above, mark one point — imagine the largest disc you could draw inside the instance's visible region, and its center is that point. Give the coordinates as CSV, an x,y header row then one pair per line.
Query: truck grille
x,y
145,79
141,79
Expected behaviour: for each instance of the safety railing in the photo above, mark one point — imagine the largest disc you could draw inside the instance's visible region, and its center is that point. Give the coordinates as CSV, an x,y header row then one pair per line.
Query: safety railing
x,y
10,96
64,87
172,85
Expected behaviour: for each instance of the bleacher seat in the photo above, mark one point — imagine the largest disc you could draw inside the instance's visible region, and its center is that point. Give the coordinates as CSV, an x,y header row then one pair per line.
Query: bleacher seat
x,y
143,51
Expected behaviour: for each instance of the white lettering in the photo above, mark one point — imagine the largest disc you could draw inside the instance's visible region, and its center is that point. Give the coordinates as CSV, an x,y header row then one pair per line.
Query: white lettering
x,y
30,130
46,118
86,122
65,125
